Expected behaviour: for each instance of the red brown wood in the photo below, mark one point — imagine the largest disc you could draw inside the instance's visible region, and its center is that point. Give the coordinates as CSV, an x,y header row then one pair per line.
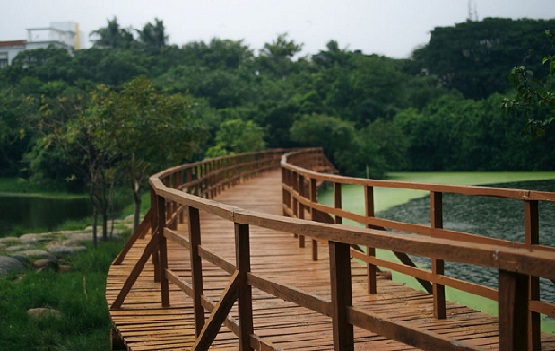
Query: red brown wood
x,y
293,301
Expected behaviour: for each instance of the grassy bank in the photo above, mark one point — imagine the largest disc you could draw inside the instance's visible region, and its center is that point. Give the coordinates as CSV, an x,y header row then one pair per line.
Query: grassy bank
x,y
79,295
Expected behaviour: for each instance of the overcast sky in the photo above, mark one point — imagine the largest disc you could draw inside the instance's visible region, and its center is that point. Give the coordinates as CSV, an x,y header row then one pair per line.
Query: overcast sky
x,y
387,27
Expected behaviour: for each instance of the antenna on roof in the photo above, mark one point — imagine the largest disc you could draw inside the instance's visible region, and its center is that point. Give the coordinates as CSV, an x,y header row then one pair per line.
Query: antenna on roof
x,y
472,12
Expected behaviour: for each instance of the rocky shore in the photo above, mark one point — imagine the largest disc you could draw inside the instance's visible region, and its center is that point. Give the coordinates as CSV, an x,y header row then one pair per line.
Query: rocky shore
x,y
47,250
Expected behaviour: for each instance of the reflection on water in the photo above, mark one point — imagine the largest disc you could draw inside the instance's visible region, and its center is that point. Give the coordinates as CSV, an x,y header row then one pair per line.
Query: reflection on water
x,y
39,214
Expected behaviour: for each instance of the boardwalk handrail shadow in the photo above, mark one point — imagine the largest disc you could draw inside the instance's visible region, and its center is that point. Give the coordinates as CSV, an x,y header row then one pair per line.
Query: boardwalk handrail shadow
x,y
186,191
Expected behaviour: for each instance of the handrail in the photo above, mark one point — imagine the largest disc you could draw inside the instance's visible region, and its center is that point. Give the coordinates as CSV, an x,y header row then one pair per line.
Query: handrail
x,y
515,264
298,186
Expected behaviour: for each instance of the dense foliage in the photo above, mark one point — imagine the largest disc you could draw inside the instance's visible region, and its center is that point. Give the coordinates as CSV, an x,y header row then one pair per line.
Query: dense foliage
x,y
85,118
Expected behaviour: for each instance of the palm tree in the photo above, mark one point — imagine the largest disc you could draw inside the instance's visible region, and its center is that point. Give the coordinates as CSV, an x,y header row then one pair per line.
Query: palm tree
x,y
113,37
153,36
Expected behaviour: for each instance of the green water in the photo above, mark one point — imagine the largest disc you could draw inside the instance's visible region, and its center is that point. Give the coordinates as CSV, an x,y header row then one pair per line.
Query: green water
x,y
387,198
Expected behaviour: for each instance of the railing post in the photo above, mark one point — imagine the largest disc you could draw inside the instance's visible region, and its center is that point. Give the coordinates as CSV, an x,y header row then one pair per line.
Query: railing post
x,y
164,283
313,193
513,311
196,267
438,266
337,201
370,251
341,295
242,250
300,211
156,223
532,237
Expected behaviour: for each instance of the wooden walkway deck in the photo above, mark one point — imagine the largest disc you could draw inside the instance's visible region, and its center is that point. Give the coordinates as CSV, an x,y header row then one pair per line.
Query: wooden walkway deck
x,y
144,325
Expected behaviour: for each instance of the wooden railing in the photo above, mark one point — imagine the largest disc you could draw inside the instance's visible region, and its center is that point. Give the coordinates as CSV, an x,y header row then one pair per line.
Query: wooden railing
x,y
176,192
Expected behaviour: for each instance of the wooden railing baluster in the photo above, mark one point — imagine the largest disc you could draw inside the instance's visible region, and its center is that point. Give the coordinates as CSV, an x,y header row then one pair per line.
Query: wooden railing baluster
x,y
337,200
532,237
242,249
372,270
300,211
196,267
313,193
341,295
438,265
162,247
513,307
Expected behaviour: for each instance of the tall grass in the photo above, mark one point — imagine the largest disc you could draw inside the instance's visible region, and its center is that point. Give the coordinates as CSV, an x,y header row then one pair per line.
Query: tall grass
x,y
79,295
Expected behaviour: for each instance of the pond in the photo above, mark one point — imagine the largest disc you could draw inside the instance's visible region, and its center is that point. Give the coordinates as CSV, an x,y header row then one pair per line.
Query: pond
x,y
498,218
31,213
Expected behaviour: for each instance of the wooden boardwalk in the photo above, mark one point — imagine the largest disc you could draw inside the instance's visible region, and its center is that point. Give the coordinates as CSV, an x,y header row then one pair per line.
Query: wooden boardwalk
x,y
144,324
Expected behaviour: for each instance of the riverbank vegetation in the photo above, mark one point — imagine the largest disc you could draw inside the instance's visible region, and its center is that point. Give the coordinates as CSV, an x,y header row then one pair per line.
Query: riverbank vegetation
x,y
107,117
81,320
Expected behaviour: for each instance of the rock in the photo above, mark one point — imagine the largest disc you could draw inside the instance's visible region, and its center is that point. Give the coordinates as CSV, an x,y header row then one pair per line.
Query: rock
x,y
45,262
43,313
36,254
64,268
72,242
10,264
10,240
20,247
21,258
36,238
79,236
61,250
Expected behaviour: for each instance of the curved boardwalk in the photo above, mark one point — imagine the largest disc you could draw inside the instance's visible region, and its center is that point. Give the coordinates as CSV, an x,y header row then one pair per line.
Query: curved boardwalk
x,y
144,325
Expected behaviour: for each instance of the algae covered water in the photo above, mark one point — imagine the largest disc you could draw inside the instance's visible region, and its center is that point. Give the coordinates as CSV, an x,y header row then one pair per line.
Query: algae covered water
x,y
493,217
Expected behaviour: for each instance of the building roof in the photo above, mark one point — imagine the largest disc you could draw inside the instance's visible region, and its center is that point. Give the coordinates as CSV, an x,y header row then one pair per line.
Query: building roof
x,y
13,43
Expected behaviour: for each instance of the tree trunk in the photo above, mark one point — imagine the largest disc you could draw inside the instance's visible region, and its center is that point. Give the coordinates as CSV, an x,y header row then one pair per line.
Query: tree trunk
x,y
105,226
137,200
94,223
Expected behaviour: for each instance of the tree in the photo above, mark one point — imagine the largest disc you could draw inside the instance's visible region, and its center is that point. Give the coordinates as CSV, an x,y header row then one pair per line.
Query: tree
x,y
113,36
69,135
534,98
473,57
146,131
153,37
276,58
237,136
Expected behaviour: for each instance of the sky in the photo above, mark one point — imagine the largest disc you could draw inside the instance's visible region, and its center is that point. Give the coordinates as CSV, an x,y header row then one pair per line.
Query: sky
x,y
388,27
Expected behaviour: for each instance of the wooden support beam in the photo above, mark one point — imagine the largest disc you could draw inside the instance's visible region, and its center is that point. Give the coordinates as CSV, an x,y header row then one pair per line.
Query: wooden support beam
x,y
218,316
438,266
242,253
371,270
532,237
341,295
513,311
163,249
196,267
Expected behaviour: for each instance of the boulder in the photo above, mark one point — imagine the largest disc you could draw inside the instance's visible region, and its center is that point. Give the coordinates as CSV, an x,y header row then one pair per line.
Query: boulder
x,y
61,250
10,264
20,247
45,262
35,254
43,313
64,268
36,238
21,258
10,240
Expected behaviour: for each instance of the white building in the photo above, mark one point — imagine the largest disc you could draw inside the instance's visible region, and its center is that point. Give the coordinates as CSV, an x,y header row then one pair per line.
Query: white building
x,y
61,35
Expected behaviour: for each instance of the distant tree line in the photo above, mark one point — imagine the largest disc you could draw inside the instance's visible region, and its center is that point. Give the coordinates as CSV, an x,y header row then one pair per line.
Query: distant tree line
x,y
134,104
